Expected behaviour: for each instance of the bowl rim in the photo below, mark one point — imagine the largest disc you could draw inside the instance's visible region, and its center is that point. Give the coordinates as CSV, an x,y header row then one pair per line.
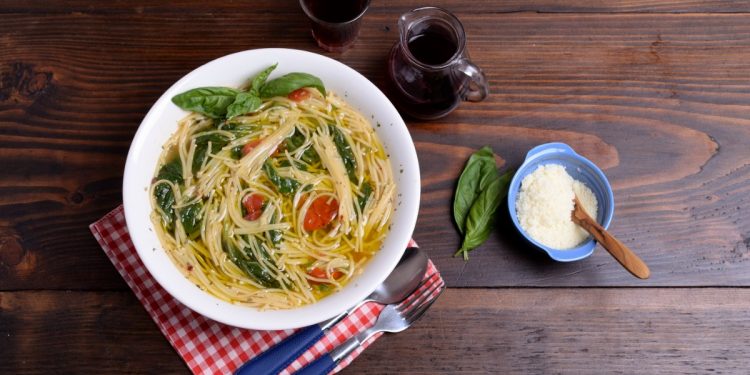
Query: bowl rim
x,y
409,187
586,248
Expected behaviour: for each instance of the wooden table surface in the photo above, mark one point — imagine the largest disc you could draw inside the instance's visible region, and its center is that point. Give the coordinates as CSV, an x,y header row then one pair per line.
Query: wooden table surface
x,y
657,93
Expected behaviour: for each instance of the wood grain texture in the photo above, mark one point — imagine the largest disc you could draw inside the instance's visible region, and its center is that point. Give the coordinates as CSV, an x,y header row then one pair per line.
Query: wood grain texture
x,y
393,6
81,333
506,331
660,101
571,331
657,93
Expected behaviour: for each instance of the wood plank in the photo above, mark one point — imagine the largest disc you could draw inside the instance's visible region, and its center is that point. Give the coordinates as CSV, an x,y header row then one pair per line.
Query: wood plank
x,y
476,6
81,333
660,101
505,331
571,331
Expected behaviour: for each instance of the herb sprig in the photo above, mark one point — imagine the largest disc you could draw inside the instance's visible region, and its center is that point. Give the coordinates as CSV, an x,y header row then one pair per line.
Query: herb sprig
x,y
227,103
479,193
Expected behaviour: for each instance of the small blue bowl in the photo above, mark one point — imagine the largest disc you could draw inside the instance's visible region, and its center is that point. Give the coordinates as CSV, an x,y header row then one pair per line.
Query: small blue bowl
x,y
580,169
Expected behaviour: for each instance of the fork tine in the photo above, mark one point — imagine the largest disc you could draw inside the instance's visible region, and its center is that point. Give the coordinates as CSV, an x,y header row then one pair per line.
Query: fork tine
x,y
419,292
417,313
422,297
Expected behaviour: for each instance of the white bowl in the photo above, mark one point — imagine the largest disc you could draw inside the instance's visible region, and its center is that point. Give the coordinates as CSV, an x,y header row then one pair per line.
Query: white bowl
x,y
233,70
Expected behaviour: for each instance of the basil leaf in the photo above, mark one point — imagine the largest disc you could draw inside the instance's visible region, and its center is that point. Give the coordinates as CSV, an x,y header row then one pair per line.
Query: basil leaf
x,y
243,103
210,101
260,79
480,218
287,83
285,185
483,212
366,192
480,170
190,217
345,150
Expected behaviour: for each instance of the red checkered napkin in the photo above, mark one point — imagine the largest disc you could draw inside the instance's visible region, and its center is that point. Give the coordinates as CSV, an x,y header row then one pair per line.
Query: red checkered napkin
x,y
207,346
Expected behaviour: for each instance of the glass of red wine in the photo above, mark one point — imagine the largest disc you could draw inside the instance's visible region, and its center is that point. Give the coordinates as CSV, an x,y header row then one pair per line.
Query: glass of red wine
x,y
335,23
429,71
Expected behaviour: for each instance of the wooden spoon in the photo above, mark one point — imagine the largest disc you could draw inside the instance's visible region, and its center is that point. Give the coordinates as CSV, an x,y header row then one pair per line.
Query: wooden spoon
x,y
619,251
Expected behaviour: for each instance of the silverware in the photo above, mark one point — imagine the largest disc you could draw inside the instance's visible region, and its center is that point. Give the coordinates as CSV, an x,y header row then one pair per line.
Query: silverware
x,y
404,279
393,318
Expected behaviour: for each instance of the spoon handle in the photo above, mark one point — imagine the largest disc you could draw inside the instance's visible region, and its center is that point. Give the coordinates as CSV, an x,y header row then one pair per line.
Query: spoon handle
x,y
277,358
281,355
626,257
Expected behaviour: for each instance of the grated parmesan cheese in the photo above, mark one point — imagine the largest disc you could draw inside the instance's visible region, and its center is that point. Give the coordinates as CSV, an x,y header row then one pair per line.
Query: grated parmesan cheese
x,y
544,205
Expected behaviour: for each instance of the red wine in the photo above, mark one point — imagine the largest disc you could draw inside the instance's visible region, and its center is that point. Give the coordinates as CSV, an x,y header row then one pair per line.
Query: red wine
x,y
433,46
336,11
425,93
334,22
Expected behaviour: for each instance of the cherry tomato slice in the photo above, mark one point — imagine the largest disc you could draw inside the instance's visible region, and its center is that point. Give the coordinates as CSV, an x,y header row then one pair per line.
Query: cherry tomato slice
x,y
317,273
249,146
321,273
253,206
299,95
321,212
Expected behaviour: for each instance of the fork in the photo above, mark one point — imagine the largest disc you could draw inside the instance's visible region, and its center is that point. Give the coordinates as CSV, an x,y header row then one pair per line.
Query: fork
x,y
394,318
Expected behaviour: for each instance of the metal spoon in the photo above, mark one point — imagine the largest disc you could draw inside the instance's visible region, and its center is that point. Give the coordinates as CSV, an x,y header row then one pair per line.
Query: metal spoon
x,y
400,283
626,257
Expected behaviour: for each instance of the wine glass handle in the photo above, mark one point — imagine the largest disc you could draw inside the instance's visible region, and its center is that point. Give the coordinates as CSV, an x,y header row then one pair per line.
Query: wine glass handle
x,y
478,87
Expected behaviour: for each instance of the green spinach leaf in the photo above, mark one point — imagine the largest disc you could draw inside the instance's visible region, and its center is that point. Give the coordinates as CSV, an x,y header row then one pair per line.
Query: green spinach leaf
x,y
480,170
249,265
287,83
217,141
275,235
190,217
163,193
239,130
165,199
210,101
243,103
171,171
285,185
236,152
297,164
345,150
295,141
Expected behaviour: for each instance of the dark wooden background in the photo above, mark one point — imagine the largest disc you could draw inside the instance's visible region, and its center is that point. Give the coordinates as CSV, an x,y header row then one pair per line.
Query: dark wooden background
x,y
655,92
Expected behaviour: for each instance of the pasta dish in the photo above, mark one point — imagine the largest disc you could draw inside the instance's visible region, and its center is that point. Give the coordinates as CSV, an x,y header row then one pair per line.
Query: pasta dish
x,y
272,195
